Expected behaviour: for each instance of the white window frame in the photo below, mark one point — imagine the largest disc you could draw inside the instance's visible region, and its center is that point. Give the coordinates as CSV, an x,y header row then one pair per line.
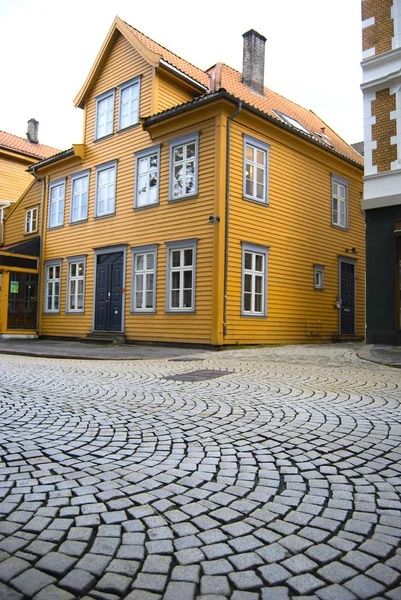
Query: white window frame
x,y
110,130
75,260
181,246
51,264
254,250
110,166
135,84
143,251
256,145
318,277
140,156
184,141
31,220
74,178
336,180
57,201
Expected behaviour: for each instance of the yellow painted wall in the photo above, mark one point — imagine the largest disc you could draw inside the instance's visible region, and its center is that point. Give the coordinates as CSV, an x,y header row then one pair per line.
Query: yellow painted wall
x,y
13,177
296,226
14,226
171,93
158,224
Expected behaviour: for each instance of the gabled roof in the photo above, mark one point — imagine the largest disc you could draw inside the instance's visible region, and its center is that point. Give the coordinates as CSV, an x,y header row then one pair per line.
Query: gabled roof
x,y
13,143
222,76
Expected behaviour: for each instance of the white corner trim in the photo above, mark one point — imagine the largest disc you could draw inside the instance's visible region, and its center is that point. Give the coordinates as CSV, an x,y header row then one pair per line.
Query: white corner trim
x,y
368,22
368,53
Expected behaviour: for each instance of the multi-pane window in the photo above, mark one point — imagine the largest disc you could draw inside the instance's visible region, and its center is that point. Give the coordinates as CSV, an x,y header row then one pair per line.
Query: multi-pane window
x,y
339,202
147,177
52,287
31,220
129,104
144,279
106,189
56,203
76,284
254,283
184,167
104,114
79,197
255,170
181,261
318,272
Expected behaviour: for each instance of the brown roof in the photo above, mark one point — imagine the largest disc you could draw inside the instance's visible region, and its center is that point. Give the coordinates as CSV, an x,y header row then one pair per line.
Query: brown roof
x,y
20,145
230,80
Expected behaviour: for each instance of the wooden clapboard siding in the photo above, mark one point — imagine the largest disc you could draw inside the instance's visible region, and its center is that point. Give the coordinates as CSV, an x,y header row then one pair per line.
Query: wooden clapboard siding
x,y
14,227
171,92
169,221
13,177
296,226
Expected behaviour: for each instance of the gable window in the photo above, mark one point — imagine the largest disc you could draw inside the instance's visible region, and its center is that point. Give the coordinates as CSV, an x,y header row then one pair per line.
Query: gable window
x,y
106,189
104,115
181,263
184,167
147,177
129,104
79,196
254,280
31,220
256,157
318,272
143,295
339,190
76,284
52,286
56,203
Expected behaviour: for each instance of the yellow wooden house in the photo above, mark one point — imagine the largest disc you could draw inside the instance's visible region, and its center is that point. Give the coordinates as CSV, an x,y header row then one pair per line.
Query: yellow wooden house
x,y
201,207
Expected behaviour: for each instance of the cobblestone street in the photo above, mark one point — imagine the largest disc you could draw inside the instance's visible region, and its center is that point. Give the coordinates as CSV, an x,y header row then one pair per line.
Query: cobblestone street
x,y
257,474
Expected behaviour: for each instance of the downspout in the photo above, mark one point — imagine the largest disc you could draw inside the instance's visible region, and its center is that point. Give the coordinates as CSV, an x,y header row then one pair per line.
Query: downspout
x,y
227,215
41,247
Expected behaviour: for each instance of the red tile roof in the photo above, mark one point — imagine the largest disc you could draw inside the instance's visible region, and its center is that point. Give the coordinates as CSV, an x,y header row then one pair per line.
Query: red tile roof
x,y
270,102
20,145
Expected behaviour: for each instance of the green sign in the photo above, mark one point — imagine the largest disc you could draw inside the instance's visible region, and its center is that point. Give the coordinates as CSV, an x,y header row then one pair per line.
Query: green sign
x,y
14,287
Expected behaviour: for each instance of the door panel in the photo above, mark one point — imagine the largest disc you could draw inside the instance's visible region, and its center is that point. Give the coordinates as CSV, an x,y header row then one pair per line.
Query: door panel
x,y
108,301
347,304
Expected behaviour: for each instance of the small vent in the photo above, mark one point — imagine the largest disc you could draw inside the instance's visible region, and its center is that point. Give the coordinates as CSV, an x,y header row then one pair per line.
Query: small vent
x,y
201,375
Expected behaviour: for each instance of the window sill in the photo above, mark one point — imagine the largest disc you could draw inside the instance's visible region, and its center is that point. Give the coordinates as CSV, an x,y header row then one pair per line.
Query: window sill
x,y
146,206
189,197
32,232
78,222
105,137
180,311
133,126
248,316
254,201
340,227
142,312
51,312
96,217
51,227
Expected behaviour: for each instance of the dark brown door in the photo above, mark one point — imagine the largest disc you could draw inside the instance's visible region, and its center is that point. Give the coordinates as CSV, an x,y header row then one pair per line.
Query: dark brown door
x,y
109,287
347,296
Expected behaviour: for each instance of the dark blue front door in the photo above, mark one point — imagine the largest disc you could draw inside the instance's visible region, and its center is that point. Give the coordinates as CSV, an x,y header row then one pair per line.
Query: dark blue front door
x,y
109,288
347,308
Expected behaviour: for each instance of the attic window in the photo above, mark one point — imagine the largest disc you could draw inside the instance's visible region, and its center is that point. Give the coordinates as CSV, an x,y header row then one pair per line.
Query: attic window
x,y
291,121
323,138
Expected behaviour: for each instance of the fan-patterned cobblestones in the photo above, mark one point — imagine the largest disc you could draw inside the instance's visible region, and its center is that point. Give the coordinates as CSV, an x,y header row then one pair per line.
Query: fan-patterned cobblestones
x,y
279,479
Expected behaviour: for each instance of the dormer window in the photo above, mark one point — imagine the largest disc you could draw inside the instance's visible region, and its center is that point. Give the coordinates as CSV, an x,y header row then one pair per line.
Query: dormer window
x,y
104,115
129,104
291,121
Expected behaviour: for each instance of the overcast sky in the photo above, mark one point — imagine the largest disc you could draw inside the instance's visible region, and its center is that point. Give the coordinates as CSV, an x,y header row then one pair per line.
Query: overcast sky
x,y
313,53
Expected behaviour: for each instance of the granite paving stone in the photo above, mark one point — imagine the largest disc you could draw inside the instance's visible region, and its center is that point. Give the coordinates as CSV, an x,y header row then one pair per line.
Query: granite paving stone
x,y
275,481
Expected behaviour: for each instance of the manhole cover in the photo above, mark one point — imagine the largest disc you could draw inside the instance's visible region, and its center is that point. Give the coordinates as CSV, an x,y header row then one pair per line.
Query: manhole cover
x,y
201,375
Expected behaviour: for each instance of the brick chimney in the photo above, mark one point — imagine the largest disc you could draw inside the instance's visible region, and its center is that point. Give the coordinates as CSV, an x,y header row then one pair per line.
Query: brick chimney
x,y
253,63
32,133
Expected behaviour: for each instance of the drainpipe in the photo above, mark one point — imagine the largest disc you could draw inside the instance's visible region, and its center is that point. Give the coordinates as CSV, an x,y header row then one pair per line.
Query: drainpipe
x,y
227,215
41,247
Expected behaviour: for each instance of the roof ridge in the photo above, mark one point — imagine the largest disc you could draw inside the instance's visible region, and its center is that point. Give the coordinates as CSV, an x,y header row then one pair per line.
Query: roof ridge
x,y
164,48
34,145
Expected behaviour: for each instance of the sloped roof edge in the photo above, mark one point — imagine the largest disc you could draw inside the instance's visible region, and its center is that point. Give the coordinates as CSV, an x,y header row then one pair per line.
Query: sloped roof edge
x,y
222,93
120,26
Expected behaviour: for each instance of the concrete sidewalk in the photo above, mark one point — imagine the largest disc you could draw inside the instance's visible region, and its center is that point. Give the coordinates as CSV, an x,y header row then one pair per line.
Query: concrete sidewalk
x,y
385,355
46,348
